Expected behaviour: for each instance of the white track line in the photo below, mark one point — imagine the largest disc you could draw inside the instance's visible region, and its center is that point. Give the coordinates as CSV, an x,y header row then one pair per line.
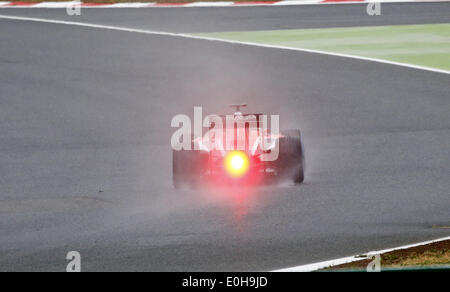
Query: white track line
x,y
209,4
129,5
188,36
346,260
56,4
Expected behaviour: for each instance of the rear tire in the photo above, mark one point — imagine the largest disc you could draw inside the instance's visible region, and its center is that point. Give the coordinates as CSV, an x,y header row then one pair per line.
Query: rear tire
x,y
291,159
187,167
179,164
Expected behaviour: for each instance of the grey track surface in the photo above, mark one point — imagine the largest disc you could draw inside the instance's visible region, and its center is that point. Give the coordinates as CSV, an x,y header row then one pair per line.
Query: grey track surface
x,y
85,160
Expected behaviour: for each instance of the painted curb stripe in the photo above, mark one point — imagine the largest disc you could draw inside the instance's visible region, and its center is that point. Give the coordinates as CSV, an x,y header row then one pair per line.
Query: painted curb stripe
x,y
130,5
168,4
93,4
209,4
54,4
255,3
199,4
13,4
341,1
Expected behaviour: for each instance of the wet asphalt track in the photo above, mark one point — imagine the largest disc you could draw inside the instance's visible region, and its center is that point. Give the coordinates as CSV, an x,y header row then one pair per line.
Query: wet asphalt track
x,y
85,160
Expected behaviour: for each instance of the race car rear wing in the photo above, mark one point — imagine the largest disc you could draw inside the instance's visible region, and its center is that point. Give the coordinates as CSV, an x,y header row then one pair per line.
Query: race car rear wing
x,y
238,106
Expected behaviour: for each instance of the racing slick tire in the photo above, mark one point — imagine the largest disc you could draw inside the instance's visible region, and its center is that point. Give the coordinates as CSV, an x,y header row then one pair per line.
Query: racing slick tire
x,y
291,158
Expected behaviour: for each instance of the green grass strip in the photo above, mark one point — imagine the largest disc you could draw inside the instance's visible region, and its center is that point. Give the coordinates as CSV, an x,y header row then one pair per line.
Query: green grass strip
x,y
424,45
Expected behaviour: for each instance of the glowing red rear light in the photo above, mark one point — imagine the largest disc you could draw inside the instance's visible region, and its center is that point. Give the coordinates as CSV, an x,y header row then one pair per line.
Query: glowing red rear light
x,y
237,163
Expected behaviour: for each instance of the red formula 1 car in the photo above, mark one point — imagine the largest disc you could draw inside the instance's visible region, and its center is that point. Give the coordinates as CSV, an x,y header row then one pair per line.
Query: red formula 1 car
x,y
239,149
